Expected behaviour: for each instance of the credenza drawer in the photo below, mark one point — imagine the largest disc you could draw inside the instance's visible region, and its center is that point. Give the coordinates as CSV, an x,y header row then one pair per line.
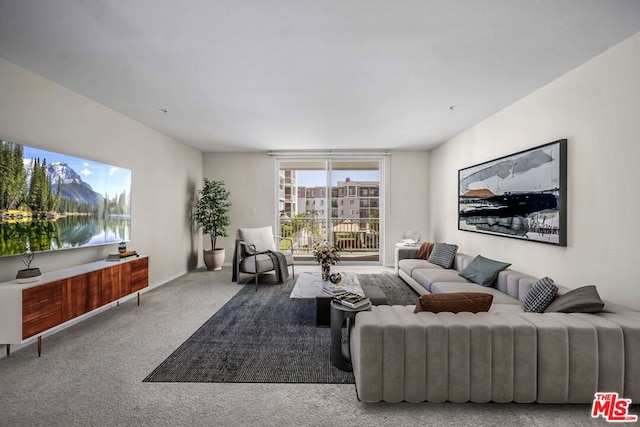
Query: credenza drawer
x,y
139,274
42,323
39,294
41,308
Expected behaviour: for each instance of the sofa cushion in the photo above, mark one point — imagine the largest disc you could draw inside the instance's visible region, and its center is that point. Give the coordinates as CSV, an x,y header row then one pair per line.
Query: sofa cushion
x,y
610,307
498,297
443,254
508,281
540,296
454,302
483,271
580,300
461,261
505,308
427,276
410,264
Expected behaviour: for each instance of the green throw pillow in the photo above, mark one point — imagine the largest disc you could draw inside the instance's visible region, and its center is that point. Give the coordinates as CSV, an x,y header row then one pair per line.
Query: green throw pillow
x,y
483,271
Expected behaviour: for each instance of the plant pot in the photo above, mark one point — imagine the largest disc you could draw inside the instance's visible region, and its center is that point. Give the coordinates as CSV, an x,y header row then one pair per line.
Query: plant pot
x,y
214,259
28,275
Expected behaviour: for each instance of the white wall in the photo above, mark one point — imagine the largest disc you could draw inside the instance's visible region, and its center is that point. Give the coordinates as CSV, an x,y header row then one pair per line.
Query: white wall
x,y
165,172
251,179
407,198
597,108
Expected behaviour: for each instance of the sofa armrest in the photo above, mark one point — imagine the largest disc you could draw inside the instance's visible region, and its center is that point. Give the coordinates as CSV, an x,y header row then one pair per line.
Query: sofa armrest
x,y
404,252
409,252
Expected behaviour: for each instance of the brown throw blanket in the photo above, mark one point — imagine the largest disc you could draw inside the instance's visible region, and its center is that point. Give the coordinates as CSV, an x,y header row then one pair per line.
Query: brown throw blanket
x,y
425,250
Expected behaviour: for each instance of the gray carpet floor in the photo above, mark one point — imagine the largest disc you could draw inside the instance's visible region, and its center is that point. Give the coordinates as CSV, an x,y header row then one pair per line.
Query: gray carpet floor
x,y
267,337
91,374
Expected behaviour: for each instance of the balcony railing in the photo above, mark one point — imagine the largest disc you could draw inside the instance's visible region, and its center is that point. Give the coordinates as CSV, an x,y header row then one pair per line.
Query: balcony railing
x,y
356,238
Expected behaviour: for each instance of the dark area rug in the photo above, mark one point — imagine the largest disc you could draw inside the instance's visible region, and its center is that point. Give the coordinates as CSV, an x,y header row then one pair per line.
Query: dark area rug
x,y
264,336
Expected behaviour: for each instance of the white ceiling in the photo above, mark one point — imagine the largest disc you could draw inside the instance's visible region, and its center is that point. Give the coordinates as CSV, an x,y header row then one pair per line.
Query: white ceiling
x,y
239,75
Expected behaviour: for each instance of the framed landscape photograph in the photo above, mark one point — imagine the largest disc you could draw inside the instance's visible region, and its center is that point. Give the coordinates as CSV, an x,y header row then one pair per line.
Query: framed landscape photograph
x,y
522,195
51,201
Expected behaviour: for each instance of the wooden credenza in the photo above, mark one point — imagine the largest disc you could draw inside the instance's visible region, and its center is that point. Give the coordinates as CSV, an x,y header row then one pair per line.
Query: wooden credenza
x,y
28,310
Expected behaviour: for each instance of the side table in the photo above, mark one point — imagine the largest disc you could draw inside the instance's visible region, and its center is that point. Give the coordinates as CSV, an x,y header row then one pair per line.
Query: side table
x,y
342,316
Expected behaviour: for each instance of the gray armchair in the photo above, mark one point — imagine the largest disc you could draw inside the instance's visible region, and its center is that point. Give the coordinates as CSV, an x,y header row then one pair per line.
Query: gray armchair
x,y
258,251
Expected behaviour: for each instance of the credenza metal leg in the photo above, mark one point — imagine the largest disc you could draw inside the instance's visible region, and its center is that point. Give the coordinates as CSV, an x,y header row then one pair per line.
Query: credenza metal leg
x,y
8,347
138,299
39,346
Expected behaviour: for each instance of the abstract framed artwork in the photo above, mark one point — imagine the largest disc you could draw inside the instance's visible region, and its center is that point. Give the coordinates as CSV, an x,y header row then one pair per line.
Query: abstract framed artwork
x,y
522,195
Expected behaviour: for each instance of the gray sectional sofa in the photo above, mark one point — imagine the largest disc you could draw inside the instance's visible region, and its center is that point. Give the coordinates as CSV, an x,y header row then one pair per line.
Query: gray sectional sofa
x,y
503,355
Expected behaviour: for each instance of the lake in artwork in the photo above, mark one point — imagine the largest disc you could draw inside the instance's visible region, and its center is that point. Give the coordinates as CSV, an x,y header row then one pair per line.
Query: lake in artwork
x,y
52,201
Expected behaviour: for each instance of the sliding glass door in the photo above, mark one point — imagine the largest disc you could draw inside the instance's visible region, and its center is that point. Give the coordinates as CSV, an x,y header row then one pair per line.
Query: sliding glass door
x,y
335,200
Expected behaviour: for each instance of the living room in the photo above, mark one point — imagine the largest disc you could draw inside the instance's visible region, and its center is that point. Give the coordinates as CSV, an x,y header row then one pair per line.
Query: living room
x,y
594,105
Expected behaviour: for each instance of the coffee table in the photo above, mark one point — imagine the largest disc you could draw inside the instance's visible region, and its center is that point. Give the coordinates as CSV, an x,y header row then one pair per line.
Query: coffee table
x,y
309,286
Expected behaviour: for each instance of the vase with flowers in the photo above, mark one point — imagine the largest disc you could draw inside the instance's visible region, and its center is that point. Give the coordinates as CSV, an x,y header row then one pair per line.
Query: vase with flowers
x,y
325,255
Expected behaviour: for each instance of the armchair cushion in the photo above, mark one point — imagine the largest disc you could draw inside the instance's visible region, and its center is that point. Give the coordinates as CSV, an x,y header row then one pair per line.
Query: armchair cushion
x,y
265,263
261,237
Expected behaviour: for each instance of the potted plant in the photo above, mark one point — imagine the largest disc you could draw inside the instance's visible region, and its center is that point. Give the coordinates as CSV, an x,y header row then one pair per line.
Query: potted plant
x,y
28,274
212,216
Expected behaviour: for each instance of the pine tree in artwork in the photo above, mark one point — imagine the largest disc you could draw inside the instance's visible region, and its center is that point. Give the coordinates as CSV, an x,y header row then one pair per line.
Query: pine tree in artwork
x,y
13,185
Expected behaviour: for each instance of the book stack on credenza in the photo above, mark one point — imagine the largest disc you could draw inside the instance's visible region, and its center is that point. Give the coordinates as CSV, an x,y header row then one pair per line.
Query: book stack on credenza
x,y
122,256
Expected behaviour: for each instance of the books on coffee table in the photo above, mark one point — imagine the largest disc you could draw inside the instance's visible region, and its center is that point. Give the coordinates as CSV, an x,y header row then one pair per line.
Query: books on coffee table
x,y
352,300
333,290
